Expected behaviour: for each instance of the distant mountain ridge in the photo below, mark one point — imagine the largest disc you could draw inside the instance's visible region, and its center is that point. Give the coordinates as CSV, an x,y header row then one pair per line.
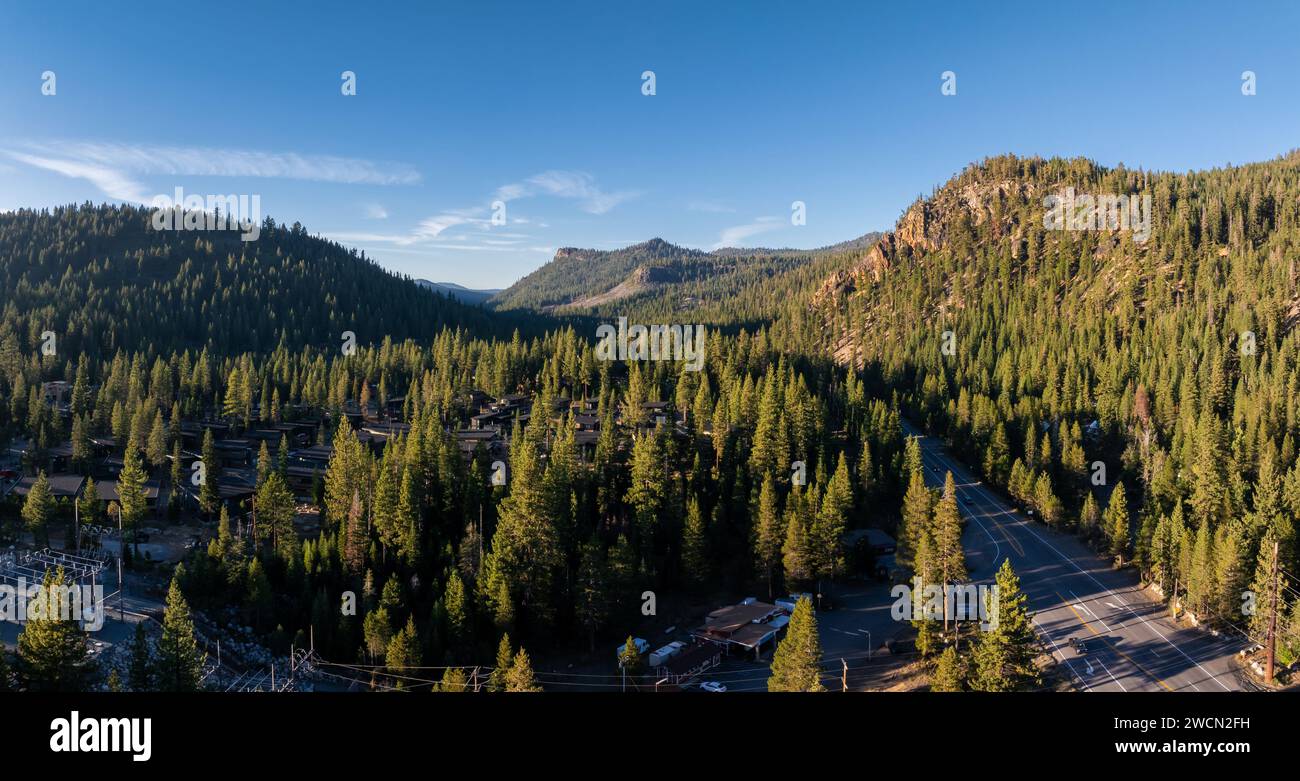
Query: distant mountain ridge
x,y
459,292
584,279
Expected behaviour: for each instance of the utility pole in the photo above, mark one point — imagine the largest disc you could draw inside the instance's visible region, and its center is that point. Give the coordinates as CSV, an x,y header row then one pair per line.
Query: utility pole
x,y
844,675
121,545
1272,623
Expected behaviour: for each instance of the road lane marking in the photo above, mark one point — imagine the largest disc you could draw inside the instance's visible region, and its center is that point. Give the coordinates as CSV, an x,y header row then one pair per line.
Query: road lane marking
x,y
1084,605
1112,675
1057,649
1090,576
1131,660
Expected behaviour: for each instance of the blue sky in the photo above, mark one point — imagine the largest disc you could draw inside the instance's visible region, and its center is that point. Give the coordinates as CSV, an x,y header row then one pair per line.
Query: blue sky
x,y
540,106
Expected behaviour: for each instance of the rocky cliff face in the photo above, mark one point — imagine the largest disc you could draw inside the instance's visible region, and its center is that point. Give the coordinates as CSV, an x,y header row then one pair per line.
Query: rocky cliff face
x,y
979,202
925,228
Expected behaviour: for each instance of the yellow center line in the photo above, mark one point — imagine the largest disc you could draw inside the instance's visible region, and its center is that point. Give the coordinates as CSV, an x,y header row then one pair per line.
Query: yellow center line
x,y
1010,538
1088,625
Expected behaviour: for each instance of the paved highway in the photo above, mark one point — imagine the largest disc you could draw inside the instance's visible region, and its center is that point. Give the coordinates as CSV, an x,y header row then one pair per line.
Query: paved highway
x,y
1074,593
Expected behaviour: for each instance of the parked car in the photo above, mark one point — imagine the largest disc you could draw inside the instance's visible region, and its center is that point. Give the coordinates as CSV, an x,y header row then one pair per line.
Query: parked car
x,y
713,686
1079,646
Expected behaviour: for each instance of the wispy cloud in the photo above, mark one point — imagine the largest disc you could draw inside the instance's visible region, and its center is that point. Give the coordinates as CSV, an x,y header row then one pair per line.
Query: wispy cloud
x,y
113,168
483,235
376,211
735,236
576,185
113,183
426,230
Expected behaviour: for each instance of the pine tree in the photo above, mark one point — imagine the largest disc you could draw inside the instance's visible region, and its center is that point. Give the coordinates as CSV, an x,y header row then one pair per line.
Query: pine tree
x,y
1004,654
593,589
263,463
1260,592
453,680
1200,580
141,674
949,558
768,534
949,672
926,574
1117,523
1089,517
38,509
354,545
259,600
795,556
796,665
525,549
505,657
130,490
520,676
695,545
648,489
179,660
52,653
1209,500
916,519
276,509
377,632
1231,570
457,607
156,448
209,496
403,651
828,527
629,659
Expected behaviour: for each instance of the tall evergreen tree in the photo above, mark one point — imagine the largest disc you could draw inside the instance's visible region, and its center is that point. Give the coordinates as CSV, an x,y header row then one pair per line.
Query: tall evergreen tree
x,y
1004,655
796,664
179,664
1117,523
141,674
38,509
52,653
520,676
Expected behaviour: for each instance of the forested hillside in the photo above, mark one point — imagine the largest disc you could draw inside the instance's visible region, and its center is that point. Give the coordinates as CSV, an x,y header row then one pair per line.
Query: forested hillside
x,y
1172,361
102,280
657,278
623,476
1144,393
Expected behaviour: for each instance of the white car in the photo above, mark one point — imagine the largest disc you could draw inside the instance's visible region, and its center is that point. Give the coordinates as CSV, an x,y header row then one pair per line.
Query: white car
x,y
713,686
